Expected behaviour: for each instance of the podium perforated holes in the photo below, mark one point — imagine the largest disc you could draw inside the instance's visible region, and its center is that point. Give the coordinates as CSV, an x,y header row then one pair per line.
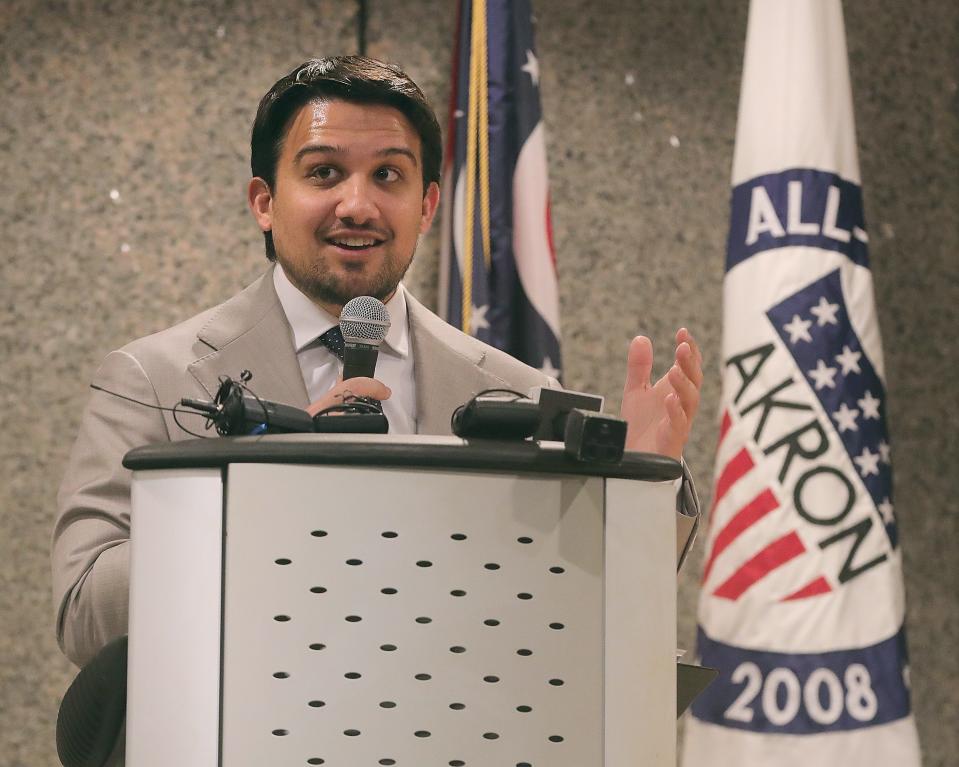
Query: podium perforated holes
x,y
351,733
556,738
412,609
523,764
281,618
281,733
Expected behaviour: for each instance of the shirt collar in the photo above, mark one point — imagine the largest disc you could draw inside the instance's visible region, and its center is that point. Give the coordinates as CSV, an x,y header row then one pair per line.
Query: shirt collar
x,y
309,321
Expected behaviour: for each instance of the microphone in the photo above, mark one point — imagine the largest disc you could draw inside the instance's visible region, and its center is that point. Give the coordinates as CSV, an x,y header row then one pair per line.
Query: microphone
x,y
364,323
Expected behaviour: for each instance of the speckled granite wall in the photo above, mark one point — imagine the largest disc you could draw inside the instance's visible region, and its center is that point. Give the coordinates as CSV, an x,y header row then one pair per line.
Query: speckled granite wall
x,y
123,141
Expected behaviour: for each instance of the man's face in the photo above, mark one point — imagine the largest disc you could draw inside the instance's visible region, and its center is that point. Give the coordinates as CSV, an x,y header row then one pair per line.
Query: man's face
x,y
348,205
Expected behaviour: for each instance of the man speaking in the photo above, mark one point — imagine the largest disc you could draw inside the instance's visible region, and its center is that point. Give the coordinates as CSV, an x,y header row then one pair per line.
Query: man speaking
x,y
345,158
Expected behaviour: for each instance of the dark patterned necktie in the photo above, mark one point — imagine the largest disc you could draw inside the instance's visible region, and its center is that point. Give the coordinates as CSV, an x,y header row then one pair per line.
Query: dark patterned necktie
x,y
332,339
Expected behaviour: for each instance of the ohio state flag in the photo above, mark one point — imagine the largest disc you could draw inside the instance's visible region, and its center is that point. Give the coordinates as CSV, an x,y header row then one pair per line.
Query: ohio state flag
x,y
497,266
802,605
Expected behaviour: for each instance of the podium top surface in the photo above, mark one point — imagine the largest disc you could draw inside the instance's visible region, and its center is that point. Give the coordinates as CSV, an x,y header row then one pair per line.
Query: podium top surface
x,y
427,452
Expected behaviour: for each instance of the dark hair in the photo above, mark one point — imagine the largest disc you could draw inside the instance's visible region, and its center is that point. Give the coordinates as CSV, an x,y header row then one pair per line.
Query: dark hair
x,y
349,78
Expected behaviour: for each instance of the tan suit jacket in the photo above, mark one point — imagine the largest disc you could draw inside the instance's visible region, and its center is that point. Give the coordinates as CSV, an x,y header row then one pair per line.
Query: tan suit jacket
x,y
250,331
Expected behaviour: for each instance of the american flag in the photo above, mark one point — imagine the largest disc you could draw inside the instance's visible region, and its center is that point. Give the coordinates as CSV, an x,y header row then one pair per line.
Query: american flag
x,y
498,265
802,607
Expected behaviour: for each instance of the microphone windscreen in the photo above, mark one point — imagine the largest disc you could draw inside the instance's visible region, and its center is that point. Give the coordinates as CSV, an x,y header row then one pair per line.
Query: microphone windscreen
x,y
364,320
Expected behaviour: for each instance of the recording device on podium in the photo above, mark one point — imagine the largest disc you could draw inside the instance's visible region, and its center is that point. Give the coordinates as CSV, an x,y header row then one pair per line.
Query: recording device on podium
x,y
570,417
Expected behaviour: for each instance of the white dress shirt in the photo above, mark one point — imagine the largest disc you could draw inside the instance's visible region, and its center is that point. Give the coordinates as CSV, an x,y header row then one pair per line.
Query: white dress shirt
x,y
322,369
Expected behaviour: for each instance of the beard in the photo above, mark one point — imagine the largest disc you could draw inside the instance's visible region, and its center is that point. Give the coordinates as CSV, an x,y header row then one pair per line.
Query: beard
x,y
319,282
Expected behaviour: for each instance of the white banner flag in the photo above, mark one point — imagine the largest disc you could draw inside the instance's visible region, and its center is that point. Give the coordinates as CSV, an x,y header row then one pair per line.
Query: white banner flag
x,y
802,606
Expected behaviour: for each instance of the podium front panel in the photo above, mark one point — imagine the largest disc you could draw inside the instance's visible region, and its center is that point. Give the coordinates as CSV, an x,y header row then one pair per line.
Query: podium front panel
x,y
173,669
399,601
412,618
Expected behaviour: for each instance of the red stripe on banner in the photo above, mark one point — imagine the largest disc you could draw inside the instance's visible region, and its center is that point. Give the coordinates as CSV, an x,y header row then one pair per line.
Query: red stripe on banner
x,y
549,230
724,428
776,554
732,471
812,589
745,518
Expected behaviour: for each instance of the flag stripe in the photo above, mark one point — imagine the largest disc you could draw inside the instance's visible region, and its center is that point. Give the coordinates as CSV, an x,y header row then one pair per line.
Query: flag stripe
x,y
776,554
814,588
724,427
740,465
745,518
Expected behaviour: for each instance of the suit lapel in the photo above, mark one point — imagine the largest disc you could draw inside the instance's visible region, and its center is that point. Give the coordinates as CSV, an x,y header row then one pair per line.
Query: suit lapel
x,y
251,332
447,369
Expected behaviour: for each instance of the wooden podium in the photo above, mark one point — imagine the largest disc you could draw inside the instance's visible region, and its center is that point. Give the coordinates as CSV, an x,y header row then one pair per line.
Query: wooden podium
x,y
366,600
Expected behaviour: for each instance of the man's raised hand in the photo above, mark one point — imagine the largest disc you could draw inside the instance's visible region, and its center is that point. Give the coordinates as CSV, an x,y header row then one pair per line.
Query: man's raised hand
x,y
660,415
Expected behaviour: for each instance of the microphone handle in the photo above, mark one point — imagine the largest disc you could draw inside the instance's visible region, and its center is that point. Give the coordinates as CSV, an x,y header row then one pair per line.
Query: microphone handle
x,y
359,360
